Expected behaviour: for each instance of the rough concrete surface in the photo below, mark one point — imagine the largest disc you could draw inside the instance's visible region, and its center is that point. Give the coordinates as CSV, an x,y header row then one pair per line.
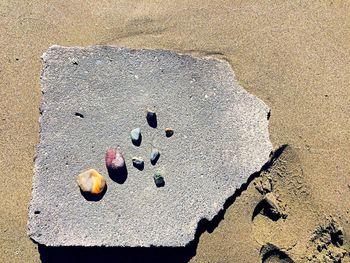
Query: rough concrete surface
x,y
93,97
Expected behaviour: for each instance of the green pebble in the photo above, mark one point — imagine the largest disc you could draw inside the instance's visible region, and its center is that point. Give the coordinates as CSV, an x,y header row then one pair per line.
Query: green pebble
x,y
158,179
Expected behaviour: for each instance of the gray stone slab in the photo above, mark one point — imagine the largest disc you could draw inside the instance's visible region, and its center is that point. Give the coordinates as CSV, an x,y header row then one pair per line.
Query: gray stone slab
x,y
93,97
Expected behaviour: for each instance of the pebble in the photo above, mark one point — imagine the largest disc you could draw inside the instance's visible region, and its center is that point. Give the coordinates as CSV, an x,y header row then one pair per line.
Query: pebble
x,y
169,132
136,136
91,181
151,118
114,160
138,162
154,156
158,179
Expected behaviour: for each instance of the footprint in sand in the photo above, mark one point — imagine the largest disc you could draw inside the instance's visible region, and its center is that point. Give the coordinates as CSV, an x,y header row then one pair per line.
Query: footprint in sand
x,y
269,207
272,254
267,212
269,218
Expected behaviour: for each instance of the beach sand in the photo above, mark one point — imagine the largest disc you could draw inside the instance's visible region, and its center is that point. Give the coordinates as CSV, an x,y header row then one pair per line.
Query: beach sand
x,y
294,56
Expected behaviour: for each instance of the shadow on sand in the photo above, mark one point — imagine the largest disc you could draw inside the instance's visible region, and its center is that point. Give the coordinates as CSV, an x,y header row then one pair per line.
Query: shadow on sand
x,y
108,255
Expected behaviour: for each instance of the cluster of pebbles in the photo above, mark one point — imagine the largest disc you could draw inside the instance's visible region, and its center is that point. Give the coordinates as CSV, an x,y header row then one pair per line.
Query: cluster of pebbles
x,y
92,182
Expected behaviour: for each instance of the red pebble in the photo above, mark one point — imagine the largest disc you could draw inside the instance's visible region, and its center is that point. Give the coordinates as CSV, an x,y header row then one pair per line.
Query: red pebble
x,y
114,159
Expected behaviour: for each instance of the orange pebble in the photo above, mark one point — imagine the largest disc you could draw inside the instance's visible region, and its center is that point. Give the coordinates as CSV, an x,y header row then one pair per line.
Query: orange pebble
x,y
169,132
91,181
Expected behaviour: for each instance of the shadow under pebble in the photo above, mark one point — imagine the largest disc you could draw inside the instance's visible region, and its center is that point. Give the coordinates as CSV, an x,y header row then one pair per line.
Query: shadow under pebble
x,y
91,197
118,176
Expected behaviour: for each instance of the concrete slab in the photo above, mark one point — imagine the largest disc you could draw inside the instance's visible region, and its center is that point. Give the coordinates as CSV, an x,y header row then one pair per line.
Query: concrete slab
x,y
93,97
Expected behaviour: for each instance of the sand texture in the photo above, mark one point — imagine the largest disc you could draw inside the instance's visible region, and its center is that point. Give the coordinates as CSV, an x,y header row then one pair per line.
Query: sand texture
x,y
292,55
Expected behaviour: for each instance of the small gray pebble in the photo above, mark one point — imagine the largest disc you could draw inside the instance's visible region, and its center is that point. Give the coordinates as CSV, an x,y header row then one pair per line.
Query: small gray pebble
x,y
136,136
138,162
154,156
